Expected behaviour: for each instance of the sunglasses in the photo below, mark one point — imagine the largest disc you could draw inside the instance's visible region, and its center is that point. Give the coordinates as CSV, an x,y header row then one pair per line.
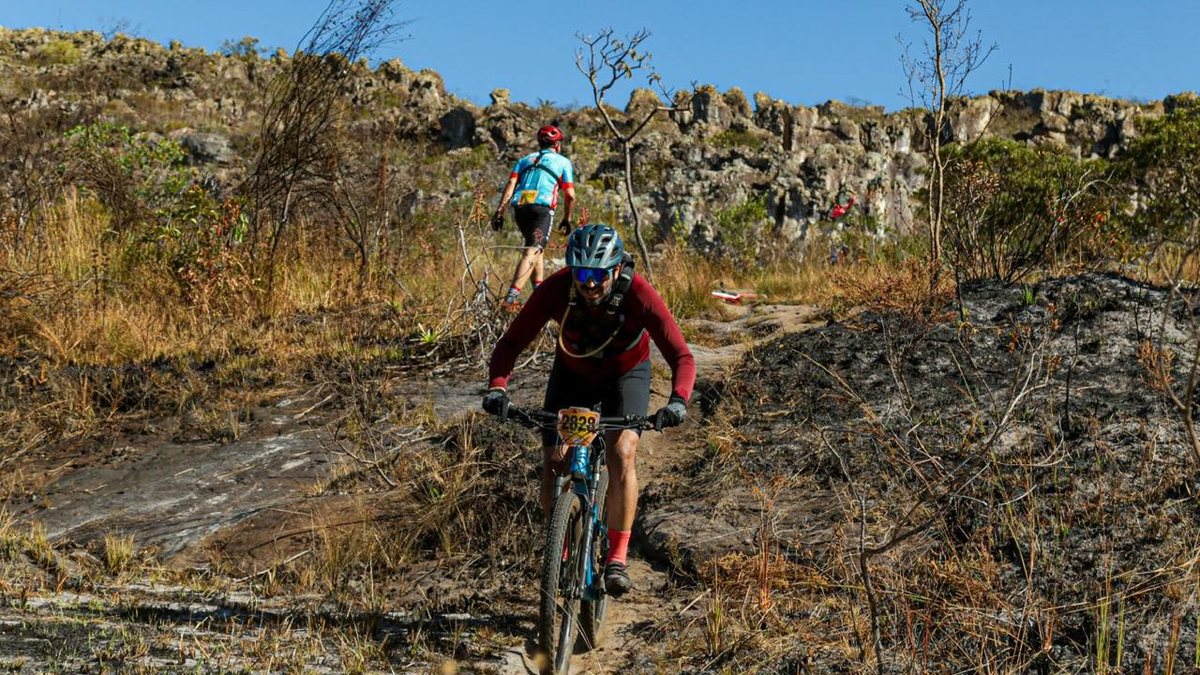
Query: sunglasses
x,y
593,274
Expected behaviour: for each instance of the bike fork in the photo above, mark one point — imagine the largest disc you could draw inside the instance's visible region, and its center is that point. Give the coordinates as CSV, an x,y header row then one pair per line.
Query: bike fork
x,y
589,571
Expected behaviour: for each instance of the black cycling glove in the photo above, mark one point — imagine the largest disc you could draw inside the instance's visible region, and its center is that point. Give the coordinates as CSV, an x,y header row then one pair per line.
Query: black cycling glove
x,y
672,414
496,402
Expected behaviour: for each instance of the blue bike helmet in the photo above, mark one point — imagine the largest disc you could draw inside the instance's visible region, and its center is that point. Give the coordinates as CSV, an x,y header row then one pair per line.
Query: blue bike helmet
x,y
594,245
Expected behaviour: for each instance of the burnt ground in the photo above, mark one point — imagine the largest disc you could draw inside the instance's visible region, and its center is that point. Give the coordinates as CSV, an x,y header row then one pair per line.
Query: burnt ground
x,y
1023,495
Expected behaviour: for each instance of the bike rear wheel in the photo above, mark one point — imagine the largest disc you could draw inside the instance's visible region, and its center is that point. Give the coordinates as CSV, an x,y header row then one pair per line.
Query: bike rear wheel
x,y
591,612
560,582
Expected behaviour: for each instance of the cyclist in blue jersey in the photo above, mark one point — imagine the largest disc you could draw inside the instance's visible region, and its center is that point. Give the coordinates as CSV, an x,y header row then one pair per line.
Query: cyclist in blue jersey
x,y
533,189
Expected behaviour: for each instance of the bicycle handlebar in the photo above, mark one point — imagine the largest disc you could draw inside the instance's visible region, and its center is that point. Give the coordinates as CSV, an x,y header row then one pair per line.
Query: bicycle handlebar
x,y
544,419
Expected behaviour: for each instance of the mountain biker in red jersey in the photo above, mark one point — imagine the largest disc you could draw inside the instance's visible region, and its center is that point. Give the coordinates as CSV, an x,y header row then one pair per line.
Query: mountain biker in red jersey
x,y
607,316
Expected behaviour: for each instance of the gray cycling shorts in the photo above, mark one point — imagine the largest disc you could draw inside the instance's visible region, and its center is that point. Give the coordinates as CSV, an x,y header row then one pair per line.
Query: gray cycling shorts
x,y
627,394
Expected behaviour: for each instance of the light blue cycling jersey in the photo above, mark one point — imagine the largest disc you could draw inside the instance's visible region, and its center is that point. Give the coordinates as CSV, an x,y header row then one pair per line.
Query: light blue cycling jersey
x,y
540,184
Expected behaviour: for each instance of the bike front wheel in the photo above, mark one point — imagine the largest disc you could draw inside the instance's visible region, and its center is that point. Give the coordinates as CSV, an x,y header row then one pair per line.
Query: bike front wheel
x,y
591,612
561,586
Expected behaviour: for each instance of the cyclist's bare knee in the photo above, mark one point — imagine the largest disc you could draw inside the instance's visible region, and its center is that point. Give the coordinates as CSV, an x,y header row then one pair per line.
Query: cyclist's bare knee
x,y
623,452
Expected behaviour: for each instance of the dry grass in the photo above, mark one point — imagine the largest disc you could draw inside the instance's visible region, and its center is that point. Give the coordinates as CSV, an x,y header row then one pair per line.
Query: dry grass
x,y
686,280
92,296
119,555
906,288
95,297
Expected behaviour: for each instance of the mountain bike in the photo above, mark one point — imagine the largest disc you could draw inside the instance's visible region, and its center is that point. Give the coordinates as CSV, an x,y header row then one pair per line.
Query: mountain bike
x,y
572,584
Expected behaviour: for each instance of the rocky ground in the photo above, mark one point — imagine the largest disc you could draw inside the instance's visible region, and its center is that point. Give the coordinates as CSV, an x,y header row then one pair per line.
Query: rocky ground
x,y
213,519
1022,493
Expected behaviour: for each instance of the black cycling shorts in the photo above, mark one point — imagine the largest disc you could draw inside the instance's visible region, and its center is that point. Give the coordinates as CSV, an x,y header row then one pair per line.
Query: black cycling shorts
x,y
627,394
533,220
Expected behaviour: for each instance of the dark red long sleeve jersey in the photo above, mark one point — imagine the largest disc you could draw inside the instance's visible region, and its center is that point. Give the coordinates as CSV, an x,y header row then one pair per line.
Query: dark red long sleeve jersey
x,y
643,316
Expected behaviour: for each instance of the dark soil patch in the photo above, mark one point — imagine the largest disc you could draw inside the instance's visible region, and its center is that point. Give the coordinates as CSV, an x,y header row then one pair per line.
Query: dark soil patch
x,y
1029,493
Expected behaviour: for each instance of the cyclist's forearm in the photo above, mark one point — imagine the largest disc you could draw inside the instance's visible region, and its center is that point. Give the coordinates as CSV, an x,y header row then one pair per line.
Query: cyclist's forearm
x,y
520,334
507,194
568,202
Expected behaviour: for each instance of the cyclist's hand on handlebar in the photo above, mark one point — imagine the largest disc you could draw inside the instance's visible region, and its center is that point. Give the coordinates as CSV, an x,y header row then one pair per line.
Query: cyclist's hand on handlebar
x,y
496,402
672,414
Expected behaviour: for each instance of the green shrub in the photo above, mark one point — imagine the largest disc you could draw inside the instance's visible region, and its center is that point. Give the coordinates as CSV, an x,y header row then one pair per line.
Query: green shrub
x,y
1011,210
731,138
200,239
246,49
137,177
1161,167
58,52
738,230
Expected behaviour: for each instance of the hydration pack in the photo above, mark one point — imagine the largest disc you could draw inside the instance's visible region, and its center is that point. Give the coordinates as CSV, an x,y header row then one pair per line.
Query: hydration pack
x,y
620,285
537,164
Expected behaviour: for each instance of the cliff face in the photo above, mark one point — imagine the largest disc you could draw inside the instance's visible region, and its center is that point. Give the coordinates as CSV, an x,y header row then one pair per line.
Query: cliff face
x,y
719,150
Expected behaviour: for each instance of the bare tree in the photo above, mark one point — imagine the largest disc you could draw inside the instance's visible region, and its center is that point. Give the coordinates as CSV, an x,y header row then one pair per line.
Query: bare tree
x,y
361,200
298,156
606,60
950,54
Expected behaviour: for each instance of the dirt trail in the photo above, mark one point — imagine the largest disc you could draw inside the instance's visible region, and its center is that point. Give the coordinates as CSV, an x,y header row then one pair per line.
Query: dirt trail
x,y
628,626
184,496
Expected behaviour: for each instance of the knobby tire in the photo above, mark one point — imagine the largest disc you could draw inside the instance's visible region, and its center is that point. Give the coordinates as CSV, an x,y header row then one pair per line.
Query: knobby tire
x,y
556,620
591,613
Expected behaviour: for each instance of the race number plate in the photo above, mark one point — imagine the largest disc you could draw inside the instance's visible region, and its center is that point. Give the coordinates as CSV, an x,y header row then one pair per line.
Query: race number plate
x,y
527,197
578,426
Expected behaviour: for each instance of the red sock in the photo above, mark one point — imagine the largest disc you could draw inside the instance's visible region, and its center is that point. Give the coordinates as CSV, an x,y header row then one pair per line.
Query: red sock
x,y
618,546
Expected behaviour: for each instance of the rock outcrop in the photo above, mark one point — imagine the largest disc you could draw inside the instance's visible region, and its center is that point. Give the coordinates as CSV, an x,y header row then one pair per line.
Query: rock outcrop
x,y
713,152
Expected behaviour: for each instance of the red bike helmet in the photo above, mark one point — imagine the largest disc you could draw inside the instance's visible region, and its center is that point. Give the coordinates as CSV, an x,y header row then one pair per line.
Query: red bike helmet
x,y
549,135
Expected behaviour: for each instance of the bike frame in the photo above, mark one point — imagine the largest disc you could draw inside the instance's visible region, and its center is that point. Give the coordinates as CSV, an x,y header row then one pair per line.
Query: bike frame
x,y
585,488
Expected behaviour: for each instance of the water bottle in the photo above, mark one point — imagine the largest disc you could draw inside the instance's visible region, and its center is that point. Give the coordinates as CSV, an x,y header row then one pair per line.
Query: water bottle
x,y
579,462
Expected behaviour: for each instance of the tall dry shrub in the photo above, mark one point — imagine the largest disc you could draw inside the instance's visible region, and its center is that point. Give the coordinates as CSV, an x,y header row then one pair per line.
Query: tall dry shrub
x,y
31,177
298,157
1162,168
1010,210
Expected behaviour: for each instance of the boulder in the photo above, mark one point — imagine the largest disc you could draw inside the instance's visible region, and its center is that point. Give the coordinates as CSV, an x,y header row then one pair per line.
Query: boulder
x,y
1055,122
969,123
207,148
500,97
740,112
457,128
394,70
642,102
710,108
428,90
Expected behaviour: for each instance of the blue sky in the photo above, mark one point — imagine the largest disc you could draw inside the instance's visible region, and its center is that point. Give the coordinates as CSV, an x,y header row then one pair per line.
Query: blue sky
x,y
800,51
